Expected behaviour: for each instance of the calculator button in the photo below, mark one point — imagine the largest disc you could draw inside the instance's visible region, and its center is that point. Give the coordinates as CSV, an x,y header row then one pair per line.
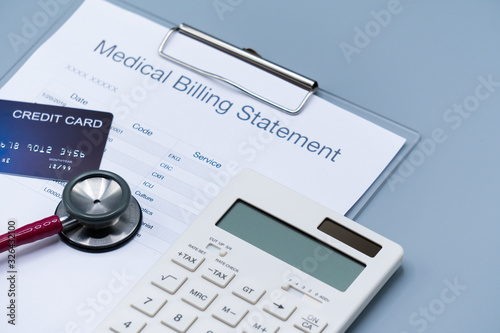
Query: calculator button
x,y
230,312
199,296
126,327
179,318
218,275
281,310
189,260
150,301
259,324
128,321
156,327
169,282
309,323
248,291
209,325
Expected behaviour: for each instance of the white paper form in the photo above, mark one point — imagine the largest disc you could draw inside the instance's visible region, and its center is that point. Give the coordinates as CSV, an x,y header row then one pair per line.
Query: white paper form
x,y
177,138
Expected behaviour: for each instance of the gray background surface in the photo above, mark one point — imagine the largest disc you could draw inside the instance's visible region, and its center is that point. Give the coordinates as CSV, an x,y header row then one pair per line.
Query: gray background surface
x,y
419,67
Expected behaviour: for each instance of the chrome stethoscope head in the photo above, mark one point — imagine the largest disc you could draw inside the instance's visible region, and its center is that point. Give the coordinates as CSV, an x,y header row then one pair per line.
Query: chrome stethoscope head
x,y
98,212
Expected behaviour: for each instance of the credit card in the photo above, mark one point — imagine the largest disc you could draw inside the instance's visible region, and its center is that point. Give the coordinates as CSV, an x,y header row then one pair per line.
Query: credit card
x,y
52,142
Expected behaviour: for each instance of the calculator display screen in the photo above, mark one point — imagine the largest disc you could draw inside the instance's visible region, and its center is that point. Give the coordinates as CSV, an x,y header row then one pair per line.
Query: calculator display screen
x,y
290,245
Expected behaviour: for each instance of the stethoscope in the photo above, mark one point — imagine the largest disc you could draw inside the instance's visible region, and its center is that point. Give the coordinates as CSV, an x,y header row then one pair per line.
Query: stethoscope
x,y
97,214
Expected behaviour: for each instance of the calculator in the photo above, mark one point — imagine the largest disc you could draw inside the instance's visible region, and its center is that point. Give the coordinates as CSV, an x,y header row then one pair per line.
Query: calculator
x,y
260,258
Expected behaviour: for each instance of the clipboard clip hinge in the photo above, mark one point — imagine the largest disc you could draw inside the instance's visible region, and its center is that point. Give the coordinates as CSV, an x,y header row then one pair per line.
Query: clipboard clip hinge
x,y
310,86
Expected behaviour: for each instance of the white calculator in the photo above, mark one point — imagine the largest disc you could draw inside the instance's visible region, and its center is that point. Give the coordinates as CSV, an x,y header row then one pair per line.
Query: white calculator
x,y
261,258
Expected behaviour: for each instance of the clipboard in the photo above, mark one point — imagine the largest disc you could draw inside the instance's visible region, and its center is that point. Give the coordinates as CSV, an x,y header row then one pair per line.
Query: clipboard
x,y
249,56
308,86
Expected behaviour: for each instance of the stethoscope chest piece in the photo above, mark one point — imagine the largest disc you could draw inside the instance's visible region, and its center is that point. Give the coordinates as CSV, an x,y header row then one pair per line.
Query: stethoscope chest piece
x,y
104,214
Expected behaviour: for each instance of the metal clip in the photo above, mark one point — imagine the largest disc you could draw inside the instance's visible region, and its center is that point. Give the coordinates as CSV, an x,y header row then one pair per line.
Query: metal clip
x,y
307,84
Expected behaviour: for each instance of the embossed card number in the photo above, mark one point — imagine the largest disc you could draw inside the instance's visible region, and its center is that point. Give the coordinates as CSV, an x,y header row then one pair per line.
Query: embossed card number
x,y
50,141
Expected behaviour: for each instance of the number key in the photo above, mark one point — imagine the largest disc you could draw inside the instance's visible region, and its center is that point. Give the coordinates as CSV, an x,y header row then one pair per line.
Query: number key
x,y
127,321
150,300
179,318
128,326
209,325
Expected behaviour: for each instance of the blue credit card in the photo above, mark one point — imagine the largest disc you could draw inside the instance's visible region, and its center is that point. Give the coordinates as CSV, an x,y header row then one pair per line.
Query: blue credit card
x,y
51,141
